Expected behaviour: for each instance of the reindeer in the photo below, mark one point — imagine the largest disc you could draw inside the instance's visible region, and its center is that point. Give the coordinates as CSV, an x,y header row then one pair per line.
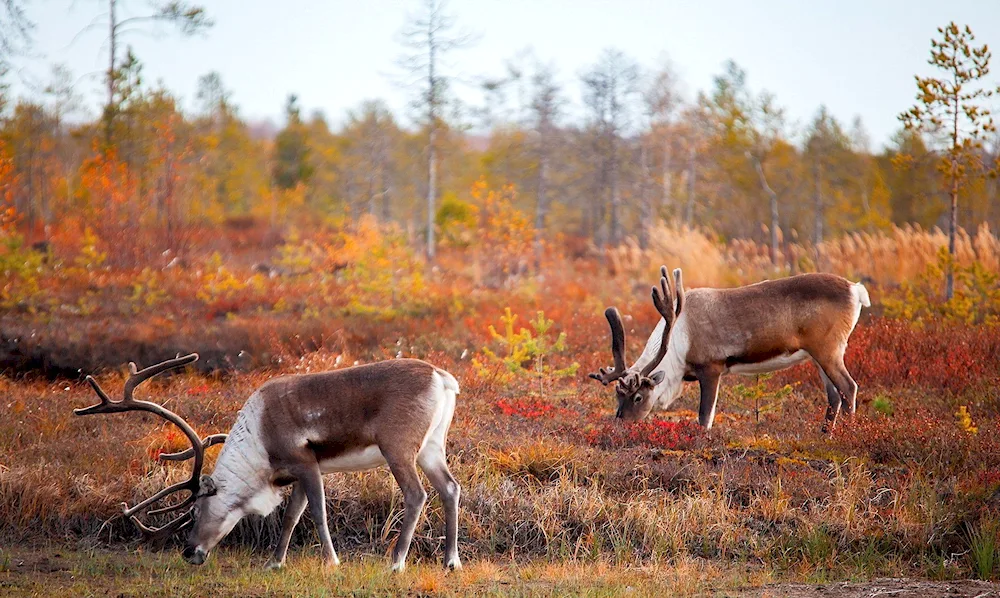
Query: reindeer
x,y
294,429
705,334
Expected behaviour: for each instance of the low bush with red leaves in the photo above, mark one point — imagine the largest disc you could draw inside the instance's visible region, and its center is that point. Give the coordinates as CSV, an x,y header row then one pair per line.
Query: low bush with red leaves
x,y
651,433
526,408
918,435
940,356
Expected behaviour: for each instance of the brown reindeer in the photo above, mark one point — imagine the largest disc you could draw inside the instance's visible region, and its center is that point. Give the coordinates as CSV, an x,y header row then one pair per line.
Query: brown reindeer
x,y
753,329
294,429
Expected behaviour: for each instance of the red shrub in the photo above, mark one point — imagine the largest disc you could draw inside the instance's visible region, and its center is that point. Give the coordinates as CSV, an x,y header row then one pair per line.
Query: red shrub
x,y
653,433
938,356
952,357
527,408
921,436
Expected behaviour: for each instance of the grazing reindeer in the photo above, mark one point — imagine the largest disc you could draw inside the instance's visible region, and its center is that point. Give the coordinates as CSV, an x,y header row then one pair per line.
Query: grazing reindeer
x,y
753,329
292,430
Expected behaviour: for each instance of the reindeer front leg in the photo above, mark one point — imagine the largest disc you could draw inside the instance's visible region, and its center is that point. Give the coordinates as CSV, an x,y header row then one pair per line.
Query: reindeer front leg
x,y
708,378
296,506
311,481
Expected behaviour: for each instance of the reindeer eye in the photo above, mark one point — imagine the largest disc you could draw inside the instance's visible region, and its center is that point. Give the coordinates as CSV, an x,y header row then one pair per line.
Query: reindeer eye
x,y
637,399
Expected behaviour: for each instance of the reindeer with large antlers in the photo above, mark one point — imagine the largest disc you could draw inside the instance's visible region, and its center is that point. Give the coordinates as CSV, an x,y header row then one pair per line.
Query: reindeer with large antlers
x,y
292,430
707,333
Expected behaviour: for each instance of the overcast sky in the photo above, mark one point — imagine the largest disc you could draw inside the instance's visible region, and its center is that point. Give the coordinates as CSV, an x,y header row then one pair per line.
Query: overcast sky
x,y
857,57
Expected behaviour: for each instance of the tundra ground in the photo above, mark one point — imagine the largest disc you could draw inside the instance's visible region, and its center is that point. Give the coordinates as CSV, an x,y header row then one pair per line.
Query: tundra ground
x,y
557,496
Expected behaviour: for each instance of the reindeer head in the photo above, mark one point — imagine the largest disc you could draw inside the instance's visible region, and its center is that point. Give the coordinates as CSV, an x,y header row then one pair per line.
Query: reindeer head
x,y
634,388
213,519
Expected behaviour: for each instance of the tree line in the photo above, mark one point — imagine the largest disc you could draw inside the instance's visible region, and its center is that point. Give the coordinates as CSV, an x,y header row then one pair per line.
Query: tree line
x,y
600,158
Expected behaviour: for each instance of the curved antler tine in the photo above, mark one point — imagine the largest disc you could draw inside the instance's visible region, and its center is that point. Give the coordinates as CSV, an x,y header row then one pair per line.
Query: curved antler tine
x,y
678,289
100,407
663,299
607,375
160,534
184,455
190,484
97,388
172,508
617,337
137,376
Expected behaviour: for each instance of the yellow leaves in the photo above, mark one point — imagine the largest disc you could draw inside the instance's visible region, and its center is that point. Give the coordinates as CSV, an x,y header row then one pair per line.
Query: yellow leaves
x,y
217,282
964,418
525,348
90,256
147,290
296,256
456,221
281,204
504,234
976,298
372,264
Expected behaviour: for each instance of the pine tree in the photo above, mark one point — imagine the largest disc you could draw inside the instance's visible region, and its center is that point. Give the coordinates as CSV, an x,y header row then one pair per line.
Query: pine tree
x,y
954,108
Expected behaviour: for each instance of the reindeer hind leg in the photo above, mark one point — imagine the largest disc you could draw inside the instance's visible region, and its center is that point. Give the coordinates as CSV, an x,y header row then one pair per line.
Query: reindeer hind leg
x,y
434,464
841,389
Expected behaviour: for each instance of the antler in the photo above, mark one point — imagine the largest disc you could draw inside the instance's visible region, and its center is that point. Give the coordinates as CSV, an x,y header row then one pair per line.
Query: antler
x,y
608,375
186,454
667,302
128,403
678,288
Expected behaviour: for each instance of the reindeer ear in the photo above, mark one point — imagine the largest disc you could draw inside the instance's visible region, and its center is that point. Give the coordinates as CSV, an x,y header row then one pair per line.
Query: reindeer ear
x,y
206,486
656,378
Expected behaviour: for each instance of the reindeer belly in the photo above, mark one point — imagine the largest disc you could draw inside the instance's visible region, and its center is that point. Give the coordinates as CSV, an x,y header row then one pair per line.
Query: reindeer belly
x,y
778,362
355,460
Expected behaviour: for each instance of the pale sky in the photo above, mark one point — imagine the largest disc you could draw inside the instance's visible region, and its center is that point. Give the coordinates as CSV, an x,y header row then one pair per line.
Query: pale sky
x,y
857,57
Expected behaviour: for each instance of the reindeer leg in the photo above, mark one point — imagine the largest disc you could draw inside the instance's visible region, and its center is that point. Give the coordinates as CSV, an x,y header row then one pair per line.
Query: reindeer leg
x,y
312,486
709,378
849,388
835,375
833,399
434,464
296,506
404,469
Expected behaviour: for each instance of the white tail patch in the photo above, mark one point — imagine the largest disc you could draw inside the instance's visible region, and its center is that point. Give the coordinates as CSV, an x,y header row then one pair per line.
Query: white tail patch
x,y
450,383
861,293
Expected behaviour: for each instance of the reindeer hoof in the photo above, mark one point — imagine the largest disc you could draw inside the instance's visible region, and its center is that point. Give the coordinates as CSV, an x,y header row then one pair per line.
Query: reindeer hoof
x,y
399,567
273,565
454,564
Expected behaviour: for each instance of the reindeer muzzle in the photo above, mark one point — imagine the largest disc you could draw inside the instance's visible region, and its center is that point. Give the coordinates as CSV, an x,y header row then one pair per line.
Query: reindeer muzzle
x,y
195,556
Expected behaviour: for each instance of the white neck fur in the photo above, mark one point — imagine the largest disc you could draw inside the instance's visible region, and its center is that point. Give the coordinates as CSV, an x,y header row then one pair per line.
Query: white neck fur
x,y
673,364
243,468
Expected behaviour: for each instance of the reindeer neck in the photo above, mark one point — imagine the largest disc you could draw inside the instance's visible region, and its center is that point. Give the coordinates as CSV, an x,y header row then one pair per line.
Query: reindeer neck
x,y
673,364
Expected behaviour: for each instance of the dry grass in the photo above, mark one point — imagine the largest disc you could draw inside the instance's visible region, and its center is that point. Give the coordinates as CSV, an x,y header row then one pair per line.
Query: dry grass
x,y
886,257
556,498
36,571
